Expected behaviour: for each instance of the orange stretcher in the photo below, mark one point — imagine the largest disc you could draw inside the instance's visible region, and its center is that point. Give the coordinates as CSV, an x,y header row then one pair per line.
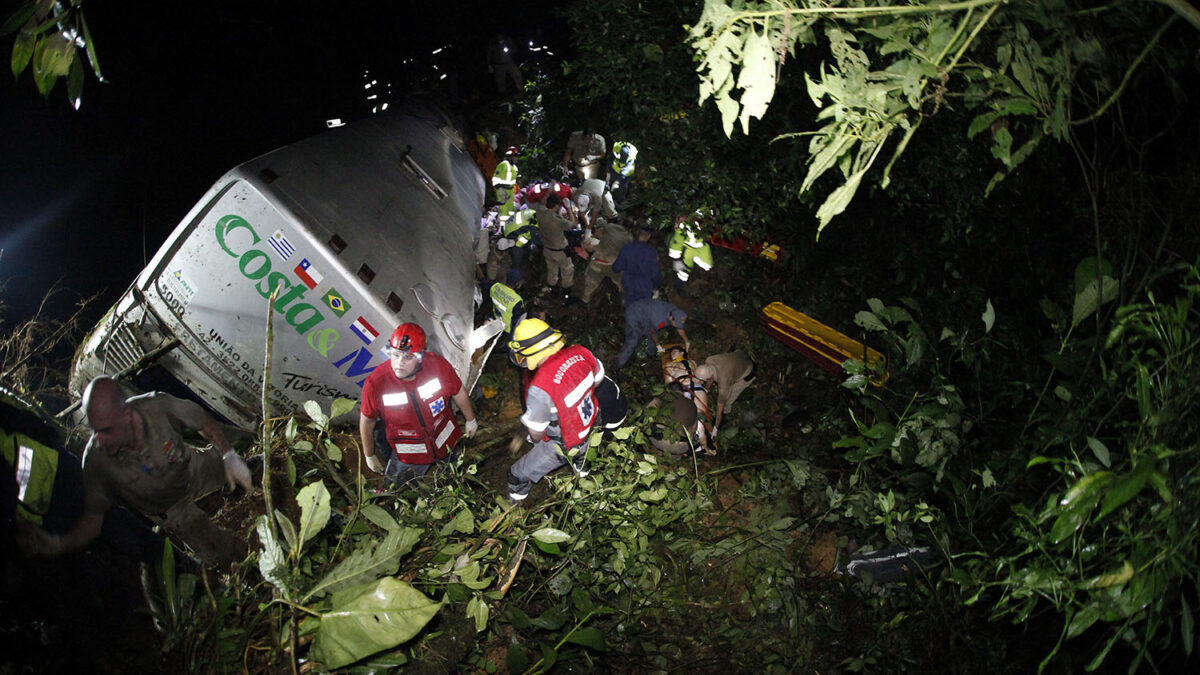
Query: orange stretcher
x,y
822,345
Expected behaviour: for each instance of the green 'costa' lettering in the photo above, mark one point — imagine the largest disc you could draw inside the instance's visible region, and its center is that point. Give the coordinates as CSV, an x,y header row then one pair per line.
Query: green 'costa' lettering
x,y
255,264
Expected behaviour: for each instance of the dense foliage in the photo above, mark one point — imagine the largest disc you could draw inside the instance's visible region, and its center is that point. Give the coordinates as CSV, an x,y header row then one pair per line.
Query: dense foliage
x,y
1039,426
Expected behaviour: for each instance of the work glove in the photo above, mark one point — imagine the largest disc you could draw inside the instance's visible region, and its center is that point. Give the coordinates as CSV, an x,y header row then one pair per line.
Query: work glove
x,y
471,427
660,348
236,471
375,464
504,244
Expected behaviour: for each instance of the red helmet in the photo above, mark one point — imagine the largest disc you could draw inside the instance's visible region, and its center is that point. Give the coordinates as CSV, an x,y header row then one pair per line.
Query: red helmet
x,y
408,337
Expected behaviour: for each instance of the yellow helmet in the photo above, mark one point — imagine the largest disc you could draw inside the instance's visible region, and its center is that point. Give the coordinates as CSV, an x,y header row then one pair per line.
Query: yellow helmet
x,y
533,341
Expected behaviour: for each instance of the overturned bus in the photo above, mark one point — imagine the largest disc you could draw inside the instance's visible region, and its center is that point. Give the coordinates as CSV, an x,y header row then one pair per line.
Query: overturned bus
x,y
356,230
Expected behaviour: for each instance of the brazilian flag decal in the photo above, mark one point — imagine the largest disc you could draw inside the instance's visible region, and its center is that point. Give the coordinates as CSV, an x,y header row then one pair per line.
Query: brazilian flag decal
x,y
335,301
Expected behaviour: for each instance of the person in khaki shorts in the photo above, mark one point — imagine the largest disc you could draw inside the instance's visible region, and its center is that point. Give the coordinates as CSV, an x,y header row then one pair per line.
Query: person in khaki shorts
x,y
137,456
605,242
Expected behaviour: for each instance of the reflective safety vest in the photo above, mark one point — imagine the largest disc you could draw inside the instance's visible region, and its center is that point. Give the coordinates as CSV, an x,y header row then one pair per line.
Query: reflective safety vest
x,y
505,302
506,194
570,377
520,227
689,250
34,466
417,414
506,174
624,165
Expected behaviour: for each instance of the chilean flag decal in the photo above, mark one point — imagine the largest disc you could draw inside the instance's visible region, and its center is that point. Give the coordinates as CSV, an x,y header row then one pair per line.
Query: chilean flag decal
x,y
364,330
308,274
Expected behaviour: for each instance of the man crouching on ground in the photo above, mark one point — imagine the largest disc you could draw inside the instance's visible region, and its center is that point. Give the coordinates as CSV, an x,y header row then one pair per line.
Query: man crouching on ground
x,y
137,456
560,404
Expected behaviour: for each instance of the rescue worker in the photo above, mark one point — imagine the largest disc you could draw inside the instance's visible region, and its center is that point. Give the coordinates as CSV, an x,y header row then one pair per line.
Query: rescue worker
x,y
593,201
137,456
643,319
638,266
686,382
507,306
553,226
604,242
504,182
502,63
688,248
731,372
623,164
411,393
561,406
518,235
42,487
585,153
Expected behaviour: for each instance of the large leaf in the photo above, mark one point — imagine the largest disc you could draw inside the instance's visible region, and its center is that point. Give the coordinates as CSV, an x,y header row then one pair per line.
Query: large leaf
x,y
314,509
550,535
368,562
316,414
369,619
477,609
1078,503
757,77
588,637
271,562
341,406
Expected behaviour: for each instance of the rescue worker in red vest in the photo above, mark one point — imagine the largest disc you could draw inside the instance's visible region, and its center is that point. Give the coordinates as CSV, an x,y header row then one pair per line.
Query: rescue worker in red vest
x,y
560,404
411,393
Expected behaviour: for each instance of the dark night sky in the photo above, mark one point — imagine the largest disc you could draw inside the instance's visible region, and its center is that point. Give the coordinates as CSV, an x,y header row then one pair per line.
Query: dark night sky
x,y
87,196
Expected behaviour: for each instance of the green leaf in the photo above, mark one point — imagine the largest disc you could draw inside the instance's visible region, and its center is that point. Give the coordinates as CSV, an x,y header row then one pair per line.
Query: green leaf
x,y
314,412
1143,391
463,522
1126,487
314,509
289,430
271,562
515,659
477,609
22,52
1077,505
91,47
1187,625
1111,579
549,656
75,84
369,619
286,527
332,451
1100,451
341,406
368,562
551,619
588,637
869,321
19,17
757,77
549,535
379,516
1094,294
655,495
652,53
989,317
